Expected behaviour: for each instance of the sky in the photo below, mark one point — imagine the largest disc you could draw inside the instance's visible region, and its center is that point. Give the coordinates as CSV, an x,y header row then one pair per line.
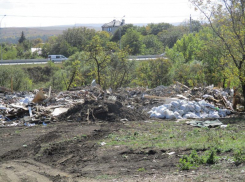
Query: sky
x,y
42,13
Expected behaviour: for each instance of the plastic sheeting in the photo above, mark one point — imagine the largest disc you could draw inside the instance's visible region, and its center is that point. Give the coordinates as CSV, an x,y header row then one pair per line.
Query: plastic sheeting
x,y
188,109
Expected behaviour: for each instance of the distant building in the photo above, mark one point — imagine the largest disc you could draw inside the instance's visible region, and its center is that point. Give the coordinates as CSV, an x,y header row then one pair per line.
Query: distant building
x,y
37,50
113,26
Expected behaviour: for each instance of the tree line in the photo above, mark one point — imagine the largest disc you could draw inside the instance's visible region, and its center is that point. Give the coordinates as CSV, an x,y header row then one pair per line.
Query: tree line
x,y
213,53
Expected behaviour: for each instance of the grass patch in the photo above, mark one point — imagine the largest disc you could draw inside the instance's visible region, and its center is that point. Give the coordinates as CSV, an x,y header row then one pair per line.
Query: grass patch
x,y
171,135
17,132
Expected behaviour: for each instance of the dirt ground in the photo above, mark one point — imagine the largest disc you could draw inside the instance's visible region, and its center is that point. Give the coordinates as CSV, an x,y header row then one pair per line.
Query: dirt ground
x,y
72,151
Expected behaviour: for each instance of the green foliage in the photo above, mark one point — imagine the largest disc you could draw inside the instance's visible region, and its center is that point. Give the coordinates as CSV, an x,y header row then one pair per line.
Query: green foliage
x,y
120,70
78,63
122,31
188,46
8,52
141,169
211,158
22,38
239,156
46,50
153,73
193,160
228,23
133,40
57,81
70,42
152,45
169,37
98,57
156,28
19,78
36,42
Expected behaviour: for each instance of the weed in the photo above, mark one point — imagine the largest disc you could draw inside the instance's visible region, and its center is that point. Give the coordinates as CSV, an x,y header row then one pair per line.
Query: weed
x,y
184,164
170,137
141,169
210,158
17,132
193,160
189,162
239,156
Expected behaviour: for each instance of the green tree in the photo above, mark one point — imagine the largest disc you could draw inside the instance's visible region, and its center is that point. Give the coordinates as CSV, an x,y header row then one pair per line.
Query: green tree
x,y
157,28
152,45
120,69
78,37
153,73
227,19
169,37
46,50
121,31
188,45
211,53
20,79
71,41
37,42
98,56
133,40
22,38
85,72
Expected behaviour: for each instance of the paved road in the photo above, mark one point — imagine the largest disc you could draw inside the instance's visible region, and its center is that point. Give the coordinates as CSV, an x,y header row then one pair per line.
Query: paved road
x,y
44,61
25,61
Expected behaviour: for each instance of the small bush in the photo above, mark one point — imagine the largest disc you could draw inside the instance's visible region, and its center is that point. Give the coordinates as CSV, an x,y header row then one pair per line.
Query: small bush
x,y
211,158
193,160
239,156
189,162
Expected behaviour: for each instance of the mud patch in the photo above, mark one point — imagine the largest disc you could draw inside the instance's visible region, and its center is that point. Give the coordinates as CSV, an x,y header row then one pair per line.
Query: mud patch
x,y
101,110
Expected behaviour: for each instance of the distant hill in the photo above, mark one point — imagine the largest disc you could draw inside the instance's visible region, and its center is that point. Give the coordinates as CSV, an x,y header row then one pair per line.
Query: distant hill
x,y
11,35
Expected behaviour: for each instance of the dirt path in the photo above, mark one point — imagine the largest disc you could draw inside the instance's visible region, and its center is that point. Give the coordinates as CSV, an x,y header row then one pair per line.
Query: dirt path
x,y
29,170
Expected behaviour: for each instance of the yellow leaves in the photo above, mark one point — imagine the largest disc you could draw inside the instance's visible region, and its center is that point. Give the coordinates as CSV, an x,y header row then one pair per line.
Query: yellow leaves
x,y
148,29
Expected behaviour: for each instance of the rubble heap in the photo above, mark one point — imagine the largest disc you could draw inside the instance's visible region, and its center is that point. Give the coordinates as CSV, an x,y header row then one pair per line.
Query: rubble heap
x,y
91,103
101,111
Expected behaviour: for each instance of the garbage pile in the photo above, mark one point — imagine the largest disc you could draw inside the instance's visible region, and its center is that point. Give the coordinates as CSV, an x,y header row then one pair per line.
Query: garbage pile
x,y
92,103
88,104
188,109
207,102
100,110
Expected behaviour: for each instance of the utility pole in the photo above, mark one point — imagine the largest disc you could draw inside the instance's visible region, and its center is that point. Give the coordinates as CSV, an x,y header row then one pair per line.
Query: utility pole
x,y
1,35
120,36
122,21
190,25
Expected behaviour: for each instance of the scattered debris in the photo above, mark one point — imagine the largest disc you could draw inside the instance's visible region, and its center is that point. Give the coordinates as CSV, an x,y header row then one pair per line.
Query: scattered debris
x,y
171,153
102,143
92,103
209,124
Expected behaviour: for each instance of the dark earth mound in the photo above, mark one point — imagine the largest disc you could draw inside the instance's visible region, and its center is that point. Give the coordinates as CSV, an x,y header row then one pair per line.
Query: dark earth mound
x,y
101,110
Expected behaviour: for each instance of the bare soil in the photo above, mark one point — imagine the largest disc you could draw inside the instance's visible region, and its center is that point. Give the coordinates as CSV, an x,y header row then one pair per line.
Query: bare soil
x,y
73,152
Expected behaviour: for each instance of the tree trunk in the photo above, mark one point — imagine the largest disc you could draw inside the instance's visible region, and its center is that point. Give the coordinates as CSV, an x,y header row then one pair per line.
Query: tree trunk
x,y
243,93
98,73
